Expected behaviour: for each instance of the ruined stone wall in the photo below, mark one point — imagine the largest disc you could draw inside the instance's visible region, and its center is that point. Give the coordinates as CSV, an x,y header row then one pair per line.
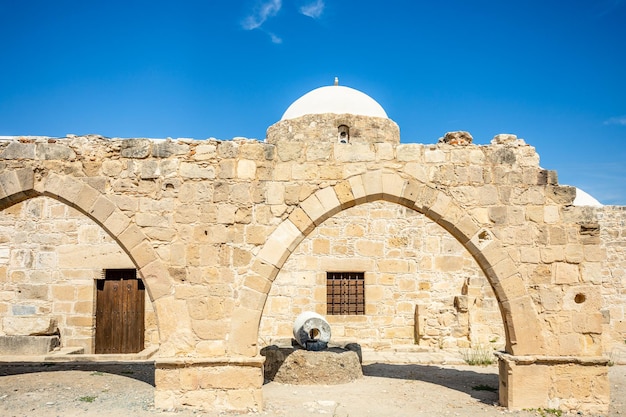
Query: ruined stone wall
x,y
50,258
210,225
409,262
612,232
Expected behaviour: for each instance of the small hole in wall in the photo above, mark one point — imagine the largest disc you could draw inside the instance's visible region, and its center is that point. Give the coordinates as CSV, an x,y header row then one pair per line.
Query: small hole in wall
x,y
483,236
580,298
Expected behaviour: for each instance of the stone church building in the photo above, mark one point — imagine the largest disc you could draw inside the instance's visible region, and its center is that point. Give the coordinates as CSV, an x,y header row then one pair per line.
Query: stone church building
x,y
205,251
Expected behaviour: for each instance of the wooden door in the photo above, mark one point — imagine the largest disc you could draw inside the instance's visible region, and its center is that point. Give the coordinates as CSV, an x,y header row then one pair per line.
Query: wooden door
x,y
120,306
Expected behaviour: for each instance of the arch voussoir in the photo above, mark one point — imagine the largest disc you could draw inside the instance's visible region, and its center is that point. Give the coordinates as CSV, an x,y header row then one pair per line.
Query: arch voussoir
x,y
521,320
157,280
264,269
302,221
358,189
87,197
329,200
464,228
143,254
102,209
131,236
410,193
116,222
372,185
426,198
393,185
65,188
344,194
283,240
314,209
440,206
16,186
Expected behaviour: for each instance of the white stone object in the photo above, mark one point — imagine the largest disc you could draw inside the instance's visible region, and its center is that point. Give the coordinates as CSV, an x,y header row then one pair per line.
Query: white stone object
x,y
311,331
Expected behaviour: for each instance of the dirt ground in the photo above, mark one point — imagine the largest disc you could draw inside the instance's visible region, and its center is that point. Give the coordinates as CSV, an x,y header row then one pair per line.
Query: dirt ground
x,y
101,389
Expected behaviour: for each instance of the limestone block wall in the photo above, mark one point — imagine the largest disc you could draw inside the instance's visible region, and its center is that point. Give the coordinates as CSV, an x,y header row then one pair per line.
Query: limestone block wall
x,y
612,232
210,225
50,257
409,262
324,128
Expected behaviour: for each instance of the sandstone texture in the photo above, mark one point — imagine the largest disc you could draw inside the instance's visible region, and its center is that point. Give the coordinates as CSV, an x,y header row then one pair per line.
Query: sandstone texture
x,y
461,246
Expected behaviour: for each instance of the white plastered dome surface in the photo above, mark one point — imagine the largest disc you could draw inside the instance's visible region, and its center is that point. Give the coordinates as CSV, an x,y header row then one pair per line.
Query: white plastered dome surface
x,y
585,199
335,99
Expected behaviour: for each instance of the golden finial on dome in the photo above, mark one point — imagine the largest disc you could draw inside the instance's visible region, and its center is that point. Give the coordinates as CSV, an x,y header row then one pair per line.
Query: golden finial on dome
x,y
336,80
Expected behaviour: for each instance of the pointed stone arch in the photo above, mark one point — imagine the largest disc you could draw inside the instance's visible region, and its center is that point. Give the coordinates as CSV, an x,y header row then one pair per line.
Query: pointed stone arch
x,y
522,327
20,185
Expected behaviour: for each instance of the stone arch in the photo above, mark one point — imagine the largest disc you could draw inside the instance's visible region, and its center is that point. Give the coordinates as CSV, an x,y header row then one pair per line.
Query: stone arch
x,y
20,185
522,327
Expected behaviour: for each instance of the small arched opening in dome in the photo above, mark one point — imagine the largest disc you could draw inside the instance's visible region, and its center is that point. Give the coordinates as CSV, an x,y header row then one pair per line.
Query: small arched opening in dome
x,y
343,134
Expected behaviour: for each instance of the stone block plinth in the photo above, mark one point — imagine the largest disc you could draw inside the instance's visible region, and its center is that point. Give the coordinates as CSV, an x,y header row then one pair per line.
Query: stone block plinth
x,y
571,384
297,366
216,384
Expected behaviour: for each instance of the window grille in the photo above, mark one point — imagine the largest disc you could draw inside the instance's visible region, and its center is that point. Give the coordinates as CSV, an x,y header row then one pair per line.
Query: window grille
x,y
345,293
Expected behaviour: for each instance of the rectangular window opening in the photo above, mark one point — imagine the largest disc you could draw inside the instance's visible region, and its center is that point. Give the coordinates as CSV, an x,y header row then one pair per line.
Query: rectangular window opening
x,y
345,293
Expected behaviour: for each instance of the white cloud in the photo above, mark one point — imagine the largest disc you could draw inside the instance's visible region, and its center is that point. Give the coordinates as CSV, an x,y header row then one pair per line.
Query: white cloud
x,y
264,11
314,9
275,39
620,120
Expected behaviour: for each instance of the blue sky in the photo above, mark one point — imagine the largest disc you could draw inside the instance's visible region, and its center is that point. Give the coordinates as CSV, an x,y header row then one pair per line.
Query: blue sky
x,y
551,72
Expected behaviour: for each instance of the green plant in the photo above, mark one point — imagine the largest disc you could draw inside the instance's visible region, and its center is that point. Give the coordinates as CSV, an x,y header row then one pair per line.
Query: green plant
x,y
97,373
478,355
545,412
87,399
127,372
483,387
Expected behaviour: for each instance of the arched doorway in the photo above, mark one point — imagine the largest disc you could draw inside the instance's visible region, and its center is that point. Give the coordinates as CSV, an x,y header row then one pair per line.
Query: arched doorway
x,y
421,287
54,264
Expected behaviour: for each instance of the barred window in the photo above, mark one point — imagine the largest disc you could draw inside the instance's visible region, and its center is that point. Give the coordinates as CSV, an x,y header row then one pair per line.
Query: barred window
x,y
345,293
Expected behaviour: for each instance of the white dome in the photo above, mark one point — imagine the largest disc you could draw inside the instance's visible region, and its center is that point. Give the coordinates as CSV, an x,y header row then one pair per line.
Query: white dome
x,y
584,199
334,99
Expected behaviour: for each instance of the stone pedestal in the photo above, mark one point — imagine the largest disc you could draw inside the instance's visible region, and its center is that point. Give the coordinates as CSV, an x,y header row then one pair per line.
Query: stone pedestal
x,y
293,365
216,384
570,384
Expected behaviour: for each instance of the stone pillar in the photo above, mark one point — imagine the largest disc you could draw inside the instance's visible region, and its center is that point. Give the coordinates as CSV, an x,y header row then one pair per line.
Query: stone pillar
x,y
216,384
567,383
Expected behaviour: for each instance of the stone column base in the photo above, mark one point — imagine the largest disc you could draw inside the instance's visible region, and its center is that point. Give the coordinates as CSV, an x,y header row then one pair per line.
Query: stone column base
x,y
561,382
215,384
